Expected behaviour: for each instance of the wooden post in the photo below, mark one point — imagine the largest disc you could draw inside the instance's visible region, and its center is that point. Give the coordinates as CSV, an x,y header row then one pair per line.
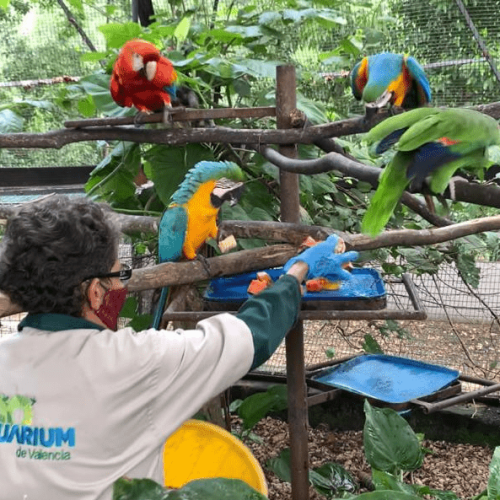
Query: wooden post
x,y
296,382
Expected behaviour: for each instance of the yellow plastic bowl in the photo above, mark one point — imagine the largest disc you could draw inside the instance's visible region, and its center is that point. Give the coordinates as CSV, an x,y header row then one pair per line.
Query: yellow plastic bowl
x,y
200,450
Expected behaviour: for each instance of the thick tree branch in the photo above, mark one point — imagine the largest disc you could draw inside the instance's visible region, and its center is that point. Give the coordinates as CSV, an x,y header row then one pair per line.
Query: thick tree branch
x,y
178,273
330,146
59,138
479,194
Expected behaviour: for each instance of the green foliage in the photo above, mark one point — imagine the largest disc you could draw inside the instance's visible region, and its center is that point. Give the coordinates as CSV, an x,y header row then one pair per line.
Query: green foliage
x,y
138,322
389,442
329,479
206,489
371,346
258,405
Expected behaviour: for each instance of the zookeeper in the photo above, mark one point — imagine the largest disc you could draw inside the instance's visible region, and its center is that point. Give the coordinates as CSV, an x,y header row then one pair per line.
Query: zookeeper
x,y
82,404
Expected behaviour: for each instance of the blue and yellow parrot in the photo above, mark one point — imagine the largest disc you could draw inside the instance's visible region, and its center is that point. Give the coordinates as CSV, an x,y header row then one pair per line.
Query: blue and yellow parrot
x,y
400,76
432,142
191,218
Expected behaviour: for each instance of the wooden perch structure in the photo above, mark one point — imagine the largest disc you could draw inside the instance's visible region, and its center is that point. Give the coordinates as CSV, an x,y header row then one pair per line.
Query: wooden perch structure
x,y
179,273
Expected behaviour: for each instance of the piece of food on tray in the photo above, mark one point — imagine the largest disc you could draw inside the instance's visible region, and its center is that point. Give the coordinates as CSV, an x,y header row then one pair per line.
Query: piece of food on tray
x,y
262,281
319,284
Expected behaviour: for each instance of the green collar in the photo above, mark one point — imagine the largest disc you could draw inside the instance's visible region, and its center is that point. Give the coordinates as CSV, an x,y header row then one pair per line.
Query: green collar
x,y
54,322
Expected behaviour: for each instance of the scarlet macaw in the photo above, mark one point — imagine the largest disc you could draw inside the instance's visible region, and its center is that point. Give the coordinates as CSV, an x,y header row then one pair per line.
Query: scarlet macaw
x,y
432,142
191,218
400,75
142,77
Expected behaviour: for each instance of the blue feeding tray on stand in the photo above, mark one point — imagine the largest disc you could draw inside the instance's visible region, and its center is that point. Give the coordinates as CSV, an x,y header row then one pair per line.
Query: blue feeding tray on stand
x,y
365,290
390,379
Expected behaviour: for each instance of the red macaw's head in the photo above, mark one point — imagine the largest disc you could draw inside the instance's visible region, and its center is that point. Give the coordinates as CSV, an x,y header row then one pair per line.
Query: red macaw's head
x,y
142,77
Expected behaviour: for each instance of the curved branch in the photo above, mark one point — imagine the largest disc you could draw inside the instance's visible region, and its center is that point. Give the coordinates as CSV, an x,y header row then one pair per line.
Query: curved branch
x,y
479,194
330,146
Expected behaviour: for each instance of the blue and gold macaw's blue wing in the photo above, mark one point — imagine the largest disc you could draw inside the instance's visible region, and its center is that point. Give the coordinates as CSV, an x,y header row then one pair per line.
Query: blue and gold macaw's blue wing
x,y
171,234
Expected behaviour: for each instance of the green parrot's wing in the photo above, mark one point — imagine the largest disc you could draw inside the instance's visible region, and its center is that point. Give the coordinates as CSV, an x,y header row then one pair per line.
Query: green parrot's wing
x,y
440,178
392,183
171,234
471,129
387,133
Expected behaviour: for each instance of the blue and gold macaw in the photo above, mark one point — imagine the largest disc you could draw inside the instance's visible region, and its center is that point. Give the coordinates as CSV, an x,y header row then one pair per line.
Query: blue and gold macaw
x,y
429,142
399,77
191,218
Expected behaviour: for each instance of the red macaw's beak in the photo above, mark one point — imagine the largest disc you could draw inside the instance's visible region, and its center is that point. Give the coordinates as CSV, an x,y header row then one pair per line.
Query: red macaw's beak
x,y
226,190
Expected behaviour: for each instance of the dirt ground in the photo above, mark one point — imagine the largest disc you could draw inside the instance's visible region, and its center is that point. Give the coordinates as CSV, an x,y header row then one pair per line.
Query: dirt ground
x,y
470,348
461,468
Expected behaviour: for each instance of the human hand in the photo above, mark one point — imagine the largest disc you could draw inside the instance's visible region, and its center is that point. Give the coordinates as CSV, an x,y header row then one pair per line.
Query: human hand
x,y
323,262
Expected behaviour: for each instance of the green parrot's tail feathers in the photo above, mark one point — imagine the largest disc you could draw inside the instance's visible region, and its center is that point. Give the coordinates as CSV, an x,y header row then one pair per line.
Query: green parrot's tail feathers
x,y
398,122
392,183
202,172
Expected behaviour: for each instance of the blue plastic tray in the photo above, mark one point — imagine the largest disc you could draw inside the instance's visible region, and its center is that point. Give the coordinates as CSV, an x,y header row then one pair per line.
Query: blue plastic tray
x,y
388,378
365,286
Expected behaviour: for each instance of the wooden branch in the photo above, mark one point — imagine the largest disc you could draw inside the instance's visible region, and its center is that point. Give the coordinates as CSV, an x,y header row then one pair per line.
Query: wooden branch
x,y
330,146
28,84
178,273
470,192
72,20
410,237
225,135
277,231
175,115
127,224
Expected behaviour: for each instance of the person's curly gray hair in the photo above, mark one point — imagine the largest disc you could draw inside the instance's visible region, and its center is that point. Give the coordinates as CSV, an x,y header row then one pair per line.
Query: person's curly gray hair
x,y
49,248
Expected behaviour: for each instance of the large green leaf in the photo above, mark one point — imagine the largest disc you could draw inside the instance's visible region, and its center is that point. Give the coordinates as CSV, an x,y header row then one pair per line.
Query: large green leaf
x,y
494,478
258,405
10,122
389,441
113,178
385,481
97,86
117,34
138,489
4,4
385,495
332,480
280,465
216,489
166,166
200,489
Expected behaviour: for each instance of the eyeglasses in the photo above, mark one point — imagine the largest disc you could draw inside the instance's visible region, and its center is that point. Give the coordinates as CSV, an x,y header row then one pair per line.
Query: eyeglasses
x,y
124,274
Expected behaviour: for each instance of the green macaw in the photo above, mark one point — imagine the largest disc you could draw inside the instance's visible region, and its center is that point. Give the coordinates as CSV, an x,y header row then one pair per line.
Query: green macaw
x,y
432,142
191,218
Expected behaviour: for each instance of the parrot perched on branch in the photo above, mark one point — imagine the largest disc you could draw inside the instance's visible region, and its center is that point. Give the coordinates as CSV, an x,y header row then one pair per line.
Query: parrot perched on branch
x,y
191,218
432,142
142,77
393,78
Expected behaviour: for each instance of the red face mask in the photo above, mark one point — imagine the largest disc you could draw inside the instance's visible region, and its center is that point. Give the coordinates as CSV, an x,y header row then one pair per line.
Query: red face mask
x,y
112,304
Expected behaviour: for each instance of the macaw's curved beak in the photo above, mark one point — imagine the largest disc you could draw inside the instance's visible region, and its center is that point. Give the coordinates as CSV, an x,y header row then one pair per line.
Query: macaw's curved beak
x,y
226,190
